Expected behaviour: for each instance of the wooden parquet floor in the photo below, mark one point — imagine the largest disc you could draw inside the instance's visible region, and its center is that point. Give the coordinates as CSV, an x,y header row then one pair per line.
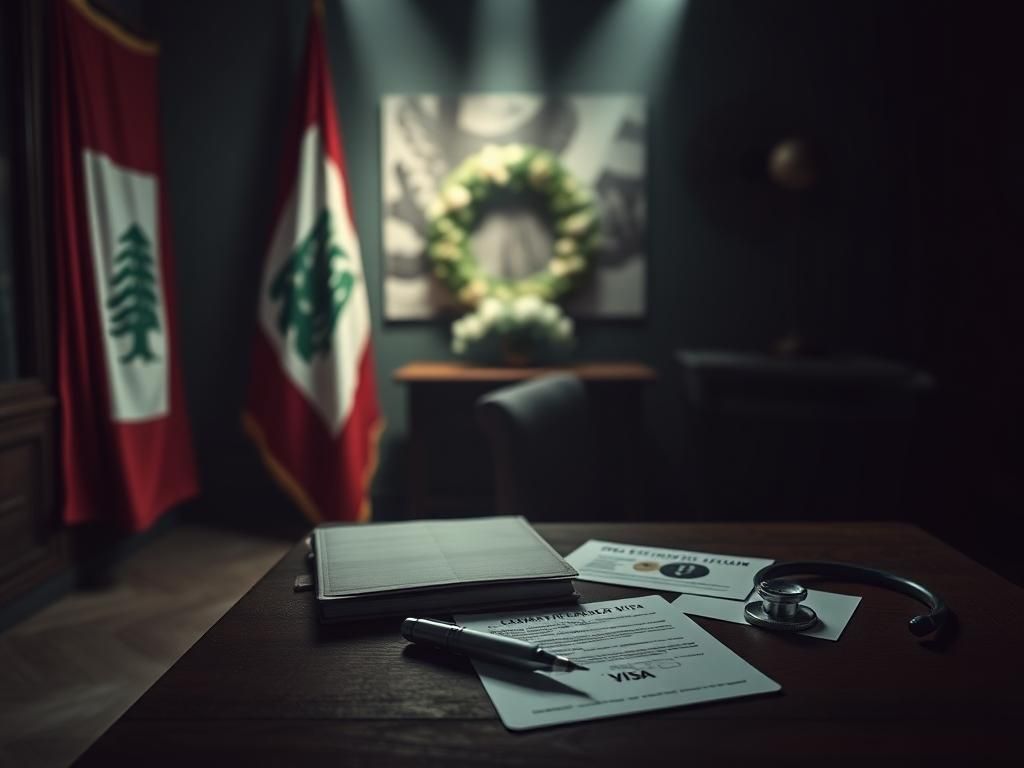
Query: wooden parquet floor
x,y
71,670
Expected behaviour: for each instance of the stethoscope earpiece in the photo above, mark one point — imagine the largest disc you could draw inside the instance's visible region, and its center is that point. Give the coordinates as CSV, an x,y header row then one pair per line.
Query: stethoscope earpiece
x,y
922,625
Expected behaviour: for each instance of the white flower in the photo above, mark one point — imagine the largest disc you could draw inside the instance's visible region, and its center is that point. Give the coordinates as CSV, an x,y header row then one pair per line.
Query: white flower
x,y
564,246
456,196
513,153
492,165
490,154
445,250
472,328
558,267
437,208
568,266
526,308
577,224
539,170
491,310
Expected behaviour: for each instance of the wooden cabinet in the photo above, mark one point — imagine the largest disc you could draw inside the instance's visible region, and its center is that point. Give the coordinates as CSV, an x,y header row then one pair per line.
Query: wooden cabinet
x,y
31,546
31,540
450,471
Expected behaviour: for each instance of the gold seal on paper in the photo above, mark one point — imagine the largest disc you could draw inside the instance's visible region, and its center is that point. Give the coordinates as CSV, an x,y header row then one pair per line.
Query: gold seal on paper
x,y
646,565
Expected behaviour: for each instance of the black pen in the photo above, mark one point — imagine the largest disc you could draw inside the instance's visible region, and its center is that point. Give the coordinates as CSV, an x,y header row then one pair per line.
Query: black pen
x,y
484,646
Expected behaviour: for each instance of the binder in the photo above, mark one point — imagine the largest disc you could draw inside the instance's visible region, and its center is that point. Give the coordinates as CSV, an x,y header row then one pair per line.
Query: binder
x,y
435,567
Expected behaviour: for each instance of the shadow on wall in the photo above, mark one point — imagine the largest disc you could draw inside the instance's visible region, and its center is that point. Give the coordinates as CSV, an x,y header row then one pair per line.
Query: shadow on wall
x,y
862,264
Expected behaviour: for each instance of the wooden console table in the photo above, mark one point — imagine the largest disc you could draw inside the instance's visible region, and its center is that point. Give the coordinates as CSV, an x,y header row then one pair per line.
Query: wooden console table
x,y
450,472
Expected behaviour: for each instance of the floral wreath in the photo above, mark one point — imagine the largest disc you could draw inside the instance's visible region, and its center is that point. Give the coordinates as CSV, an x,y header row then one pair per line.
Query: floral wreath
x,y
460,205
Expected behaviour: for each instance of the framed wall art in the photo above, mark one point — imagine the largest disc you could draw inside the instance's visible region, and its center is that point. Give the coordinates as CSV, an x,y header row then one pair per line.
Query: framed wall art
x,y
600,139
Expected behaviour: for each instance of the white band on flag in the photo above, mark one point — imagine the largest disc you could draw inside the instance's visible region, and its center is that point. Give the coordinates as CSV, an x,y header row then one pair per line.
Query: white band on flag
x,y
125,246
315,239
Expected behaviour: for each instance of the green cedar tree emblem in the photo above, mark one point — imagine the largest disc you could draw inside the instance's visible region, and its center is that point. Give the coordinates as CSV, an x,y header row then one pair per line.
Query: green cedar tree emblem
x,y
313,286
133,302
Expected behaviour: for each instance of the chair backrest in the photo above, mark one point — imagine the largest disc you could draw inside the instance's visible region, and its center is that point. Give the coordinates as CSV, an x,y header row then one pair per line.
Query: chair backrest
x,y
541,443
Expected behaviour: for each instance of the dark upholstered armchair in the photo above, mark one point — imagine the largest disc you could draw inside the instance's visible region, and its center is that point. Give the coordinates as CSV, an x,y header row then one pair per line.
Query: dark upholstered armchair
x,y
542,446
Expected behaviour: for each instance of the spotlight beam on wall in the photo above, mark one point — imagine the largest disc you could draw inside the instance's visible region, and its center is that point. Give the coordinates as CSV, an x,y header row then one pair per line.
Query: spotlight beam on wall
x,y
505,52
425,59
658,23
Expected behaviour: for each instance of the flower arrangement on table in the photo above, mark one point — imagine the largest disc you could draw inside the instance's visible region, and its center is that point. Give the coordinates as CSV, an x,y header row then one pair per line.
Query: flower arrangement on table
x,y
519,316
525,329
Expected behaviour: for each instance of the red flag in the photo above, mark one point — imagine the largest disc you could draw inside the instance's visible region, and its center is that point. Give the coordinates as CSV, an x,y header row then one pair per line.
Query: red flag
x,y
125,442
312,403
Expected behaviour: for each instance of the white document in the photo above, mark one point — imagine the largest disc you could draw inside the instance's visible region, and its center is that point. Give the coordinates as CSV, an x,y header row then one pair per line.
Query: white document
x,y
834,611
642,654
675,570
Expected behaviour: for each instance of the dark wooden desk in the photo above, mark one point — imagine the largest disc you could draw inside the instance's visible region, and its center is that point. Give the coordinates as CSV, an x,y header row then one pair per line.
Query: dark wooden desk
x,y
268,685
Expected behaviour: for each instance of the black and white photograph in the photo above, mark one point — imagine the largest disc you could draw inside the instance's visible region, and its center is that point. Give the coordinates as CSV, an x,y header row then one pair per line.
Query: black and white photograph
x,y
600,139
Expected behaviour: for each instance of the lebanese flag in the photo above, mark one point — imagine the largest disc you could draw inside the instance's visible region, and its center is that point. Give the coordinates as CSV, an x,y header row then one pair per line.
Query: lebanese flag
x,y
126,449
312,402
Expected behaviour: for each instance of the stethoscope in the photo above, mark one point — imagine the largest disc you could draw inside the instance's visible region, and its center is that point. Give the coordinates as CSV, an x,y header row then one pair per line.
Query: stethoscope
x,y
779,608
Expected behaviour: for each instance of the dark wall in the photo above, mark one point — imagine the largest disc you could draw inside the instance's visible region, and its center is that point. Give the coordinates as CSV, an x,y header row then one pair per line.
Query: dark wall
x,y
734,262
969,135
901,250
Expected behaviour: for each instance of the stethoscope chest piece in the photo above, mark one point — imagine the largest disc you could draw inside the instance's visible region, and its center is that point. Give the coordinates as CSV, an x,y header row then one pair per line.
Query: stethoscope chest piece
x,y
779,607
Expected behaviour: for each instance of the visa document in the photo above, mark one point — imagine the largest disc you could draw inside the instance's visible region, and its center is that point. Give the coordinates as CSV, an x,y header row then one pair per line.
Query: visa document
x,y
675,570
642,654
